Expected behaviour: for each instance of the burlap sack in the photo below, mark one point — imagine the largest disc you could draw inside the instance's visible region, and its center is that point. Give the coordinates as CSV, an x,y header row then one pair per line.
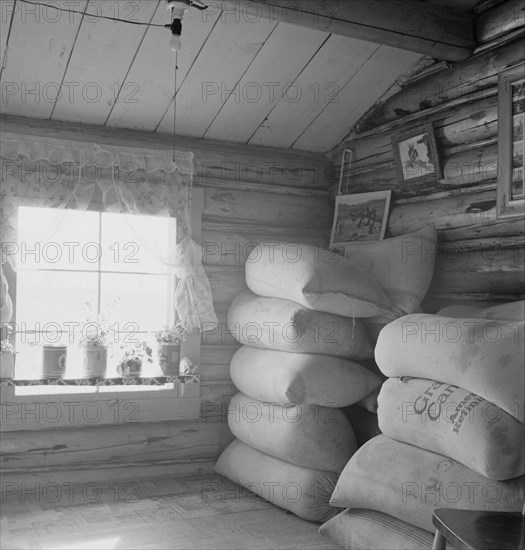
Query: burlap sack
x,y
482,356
302,491
403,265
359,529
307,435
408,483
282,325
315,278
298,378
453,422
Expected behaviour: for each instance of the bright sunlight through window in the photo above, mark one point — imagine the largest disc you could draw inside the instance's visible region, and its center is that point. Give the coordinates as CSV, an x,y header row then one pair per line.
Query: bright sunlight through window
x,y
75,266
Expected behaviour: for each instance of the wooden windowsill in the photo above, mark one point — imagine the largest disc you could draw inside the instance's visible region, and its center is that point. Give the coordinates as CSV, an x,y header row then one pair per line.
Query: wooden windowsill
x,y
37,407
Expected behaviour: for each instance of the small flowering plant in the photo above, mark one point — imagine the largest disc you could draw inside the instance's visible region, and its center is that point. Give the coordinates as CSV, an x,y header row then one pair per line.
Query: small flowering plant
x,y
96,331
172,335
95,335
132,357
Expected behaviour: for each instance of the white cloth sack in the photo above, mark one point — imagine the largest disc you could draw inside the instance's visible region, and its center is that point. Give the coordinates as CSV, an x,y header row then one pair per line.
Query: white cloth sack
x,y
408,483
298,378
485,357
302,491
315,278
278,324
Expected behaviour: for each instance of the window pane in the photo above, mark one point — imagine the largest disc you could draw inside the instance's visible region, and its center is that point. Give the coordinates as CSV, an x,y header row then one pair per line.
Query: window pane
x,y
60,285
135,243
54,238
54,298
51,309
135,302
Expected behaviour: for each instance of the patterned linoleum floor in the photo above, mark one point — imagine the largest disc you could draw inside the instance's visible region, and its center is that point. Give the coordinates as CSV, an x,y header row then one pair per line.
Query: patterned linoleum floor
x,y
200,512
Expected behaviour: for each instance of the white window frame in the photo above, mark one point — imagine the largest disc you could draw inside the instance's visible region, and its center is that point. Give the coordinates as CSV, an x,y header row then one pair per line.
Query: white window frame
x,y
47,406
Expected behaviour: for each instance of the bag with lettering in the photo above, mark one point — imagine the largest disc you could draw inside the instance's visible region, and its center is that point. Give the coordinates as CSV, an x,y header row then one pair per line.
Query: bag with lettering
x,y
302,491
453,422
315,278
282,325
482,356
307,435
359,529
298,378
409,483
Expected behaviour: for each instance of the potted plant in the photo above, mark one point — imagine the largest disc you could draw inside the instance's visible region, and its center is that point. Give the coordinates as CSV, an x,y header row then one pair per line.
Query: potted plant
x,y
7,359
132,358
168,348
94,342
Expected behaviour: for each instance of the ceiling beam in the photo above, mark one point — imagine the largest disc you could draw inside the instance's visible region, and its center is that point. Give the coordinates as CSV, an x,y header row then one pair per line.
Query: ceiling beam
x,y
422,27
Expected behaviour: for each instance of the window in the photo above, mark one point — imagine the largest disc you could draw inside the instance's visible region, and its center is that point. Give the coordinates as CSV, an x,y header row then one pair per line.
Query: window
x,y
75,265
66,259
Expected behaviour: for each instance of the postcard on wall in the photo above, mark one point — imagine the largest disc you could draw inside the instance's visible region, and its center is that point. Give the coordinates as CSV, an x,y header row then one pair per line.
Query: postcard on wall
x,y
360,217
416,155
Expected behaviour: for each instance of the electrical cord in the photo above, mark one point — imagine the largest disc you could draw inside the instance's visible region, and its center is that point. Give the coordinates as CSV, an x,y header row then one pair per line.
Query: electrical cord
x,y
91,14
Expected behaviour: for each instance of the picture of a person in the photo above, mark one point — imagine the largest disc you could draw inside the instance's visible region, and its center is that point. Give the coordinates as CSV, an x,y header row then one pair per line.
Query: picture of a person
x,y
415,157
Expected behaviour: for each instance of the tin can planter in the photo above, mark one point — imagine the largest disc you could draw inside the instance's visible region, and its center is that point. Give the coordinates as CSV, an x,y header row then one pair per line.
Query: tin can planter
x,y
54,360
7,365
168,355
130,369
95,362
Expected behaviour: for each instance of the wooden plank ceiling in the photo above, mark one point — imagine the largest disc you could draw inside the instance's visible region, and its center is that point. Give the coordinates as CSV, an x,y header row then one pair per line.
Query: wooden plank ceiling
x,y
239,79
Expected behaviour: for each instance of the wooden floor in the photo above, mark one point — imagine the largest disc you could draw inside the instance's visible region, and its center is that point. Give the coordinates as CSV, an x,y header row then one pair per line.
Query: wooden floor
x,y
187,513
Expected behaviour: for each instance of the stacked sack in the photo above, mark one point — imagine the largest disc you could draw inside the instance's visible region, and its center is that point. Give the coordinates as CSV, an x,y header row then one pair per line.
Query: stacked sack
x,y
404,267
301,327
452,417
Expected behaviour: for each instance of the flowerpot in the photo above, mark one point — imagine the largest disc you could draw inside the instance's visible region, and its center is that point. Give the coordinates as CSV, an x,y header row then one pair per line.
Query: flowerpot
x,y
7,365
168,355
130,368
54,360
95,362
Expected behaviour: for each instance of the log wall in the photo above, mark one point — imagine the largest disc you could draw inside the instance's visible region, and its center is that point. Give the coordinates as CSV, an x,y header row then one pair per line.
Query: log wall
x,y
250,194
479,257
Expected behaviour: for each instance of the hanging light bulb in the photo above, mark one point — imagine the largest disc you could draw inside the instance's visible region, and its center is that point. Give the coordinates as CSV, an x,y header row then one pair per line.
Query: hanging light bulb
x,y
178,8
175,42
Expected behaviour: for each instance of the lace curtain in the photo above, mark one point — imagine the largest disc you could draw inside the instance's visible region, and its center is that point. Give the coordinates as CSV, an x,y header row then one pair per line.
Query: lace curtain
x,y
53,175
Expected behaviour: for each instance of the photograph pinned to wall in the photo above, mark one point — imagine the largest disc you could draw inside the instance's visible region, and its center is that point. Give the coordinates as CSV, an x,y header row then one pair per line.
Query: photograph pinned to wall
x,y
361,217
511,142
416,155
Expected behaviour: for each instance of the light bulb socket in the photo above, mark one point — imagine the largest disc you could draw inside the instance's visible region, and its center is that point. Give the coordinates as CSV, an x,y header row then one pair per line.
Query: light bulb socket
x,y
176,27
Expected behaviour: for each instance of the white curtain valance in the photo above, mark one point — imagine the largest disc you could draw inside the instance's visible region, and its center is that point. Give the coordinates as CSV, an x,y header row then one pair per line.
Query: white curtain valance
x,y
147,183
104,157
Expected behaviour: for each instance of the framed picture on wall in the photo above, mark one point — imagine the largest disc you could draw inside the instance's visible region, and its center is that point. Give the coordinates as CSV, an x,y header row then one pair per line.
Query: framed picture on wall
x,y
360,218
511,143
416,155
